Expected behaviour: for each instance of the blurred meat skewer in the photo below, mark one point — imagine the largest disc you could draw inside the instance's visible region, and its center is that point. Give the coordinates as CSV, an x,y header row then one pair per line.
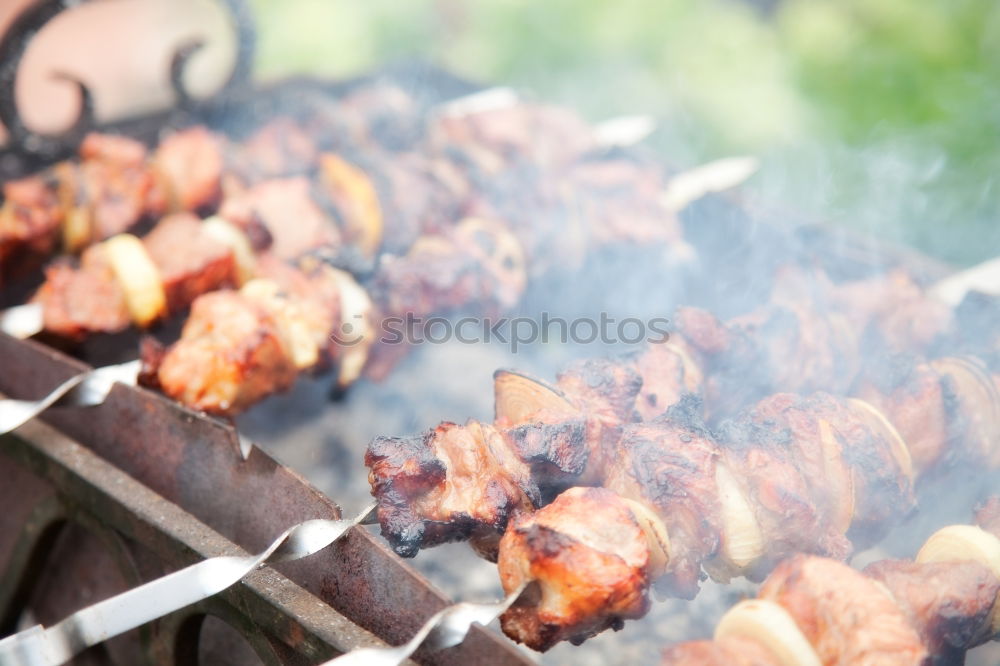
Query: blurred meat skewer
x,y
816,611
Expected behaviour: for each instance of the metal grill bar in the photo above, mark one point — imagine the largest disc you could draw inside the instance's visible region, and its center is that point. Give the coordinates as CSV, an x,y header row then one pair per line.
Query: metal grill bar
x,y
274,605
195,462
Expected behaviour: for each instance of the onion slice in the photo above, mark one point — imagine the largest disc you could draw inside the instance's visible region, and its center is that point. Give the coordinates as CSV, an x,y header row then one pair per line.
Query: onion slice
x,y
357,333
957,543
355,193
742,541
978,415
294,328
519,399
771,626
138,276
656,535
233,238
876,420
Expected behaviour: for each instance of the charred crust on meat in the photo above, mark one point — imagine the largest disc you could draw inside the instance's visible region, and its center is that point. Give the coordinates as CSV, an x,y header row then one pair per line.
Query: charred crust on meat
x,y
687,415
402,469
556,453
889,373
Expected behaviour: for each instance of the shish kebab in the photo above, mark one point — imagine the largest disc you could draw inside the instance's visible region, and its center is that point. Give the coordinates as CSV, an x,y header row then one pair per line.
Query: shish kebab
x,y
112,188
115,185
813,611
794,474
407,278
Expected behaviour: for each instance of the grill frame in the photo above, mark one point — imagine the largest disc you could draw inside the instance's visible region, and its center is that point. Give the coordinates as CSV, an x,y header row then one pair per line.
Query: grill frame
x,y
194,463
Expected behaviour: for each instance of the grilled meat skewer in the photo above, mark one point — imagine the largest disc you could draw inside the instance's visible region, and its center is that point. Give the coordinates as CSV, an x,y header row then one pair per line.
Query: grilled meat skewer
x,y
894,612
124,280
232,338
608,396
112,188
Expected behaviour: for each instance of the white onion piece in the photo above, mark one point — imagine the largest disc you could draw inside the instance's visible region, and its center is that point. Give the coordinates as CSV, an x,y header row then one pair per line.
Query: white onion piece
x,y
876,419
364,220
957,543
624,131
689,186
76,229
771,626
292,324
138,276
233,238
357,332
833,464
519,399
742,541
656,535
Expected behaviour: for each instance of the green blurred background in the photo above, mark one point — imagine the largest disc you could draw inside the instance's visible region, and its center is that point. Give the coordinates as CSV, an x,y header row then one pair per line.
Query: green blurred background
x,y
879,114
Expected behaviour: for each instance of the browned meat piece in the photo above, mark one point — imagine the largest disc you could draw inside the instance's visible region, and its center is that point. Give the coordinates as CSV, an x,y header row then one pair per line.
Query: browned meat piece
x,y
419,195
557,453
532,133
312,305
88,299
240,347
669,371
295,223
949,602
115,188
190,164
375,114
783,347
279,148
108,192
858,476
670,465
30,220
478,263
447,484
620,201
731,651
913,398
848,618
230,355
605,391
590,558
190,262
762,462
902,316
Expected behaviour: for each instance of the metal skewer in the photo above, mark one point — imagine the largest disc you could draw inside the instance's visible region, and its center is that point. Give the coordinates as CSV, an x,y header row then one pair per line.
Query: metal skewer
x,y
83,390
446,628
40,646
624,131
984,277
691,185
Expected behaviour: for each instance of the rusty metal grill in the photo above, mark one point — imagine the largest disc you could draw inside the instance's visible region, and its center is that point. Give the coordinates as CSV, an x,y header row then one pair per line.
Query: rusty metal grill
x,y
165,486
122,493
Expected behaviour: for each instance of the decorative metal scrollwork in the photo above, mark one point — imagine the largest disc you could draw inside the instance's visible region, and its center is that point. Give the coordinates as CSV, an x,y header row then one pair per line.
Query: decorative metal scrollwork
x,y
25,141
